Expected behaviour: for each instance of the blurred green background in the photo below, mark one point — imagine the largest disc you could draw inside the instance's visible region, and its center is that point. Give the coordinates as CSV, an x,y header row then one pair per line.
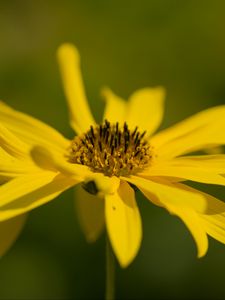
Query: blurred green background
x,y
125,45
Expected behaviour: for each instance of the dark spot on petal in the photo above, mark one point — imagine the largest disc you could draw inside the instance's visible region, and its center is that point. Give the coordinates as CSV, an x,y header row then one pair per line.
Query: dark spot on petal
x,y
90,187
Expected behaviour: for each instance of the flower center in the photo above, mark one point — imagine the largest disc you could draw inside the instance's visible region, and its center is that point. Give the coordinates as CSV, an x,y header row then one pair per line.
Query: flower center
x,y
111,150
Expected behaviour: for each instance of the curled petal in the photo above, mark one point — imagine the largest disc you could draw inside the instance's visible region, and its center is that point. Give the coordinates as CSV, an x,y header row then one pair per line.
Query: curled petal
x,y
213,218
180,203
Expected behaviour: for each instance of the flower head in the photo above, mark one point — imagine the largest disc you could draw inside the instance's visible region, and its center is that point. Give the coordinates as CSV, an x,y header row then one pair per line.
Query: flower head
x,y
108,160
111,150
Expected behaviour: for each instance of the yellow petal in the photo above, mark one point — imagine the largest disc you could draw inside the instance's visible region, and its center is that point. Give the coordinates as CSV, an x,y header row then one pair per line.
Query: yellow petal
x,y
205,169
48,160
12,166
123,223
14,155
90,210
213,162
30,130
169,192
145,109
213,219
105,184
80,115
201,139
11,144
16,168
199,132
30,191
9,231
18,187
195,226
116,107
189,125
180,203
214,150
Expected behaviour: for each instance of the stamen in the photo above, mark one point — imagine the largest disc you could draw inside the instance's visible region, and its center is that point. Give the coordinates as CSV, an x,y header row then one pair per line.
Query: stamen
x,y
100,130
112,149
136,139
100,146
135,130
92,132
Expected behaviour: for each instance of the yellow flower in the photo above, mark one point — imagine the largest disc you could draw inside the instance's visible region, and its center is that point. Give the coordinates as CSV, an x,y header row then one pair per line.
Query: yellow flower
x,y
109,159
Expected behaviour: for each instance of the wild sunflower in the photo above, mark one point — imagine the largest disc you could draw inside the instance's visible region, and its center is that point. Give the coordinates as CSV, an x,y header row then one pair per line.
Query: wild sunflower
x,y
109,159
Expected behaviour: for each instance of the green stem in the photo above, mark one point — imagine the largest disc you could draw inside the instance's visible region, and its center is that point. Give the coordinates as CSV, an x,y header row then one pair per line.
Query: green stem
x,y
110,272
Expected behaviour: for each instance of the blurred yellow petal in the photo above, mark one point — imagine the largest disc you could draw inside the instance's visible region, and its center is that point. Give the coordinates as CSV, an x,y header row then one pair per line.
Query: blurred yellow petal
x,y
170,194
205,169
80,115
213,219
11,144
199,132
9,231
116,107
195,226
90,211
10,166
123,223
23,194
193,223
145,109
30,130
215,226
16,168
20,186
14,155
181,203
212,162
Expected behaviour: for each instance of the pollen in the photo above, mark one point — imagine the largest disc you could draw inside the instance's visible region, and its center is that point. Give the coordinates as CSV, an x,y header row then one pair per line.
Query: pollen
x,y
112,149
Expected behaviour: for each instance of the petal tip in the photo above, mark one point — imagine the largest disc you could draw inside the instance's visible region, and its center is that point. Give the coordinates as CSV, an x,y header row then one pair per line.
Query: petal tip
x,y
105,92
126,260
159,90
124,263
201,252
69,52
